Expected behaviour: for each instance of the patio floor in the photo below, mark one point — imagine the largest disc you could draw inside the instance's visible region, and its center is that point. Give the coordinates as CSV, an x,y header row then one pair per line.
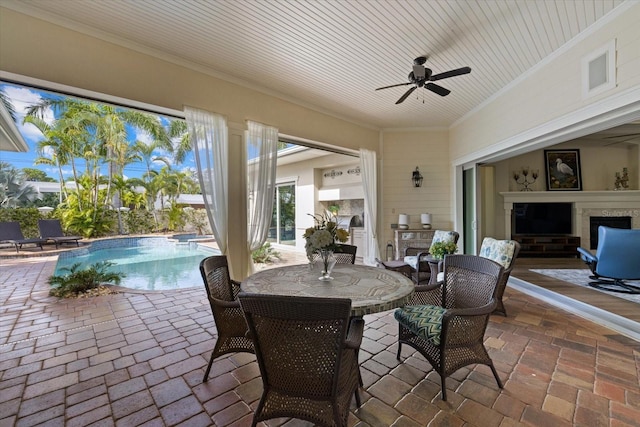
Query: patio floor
x,y
138,359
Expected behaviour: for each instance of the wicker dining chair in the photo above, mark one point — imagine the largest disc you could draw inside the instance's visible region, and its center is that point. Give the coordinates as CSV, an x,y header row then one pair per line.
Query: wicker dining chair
x,y
307,351
344,254
451,336
222,293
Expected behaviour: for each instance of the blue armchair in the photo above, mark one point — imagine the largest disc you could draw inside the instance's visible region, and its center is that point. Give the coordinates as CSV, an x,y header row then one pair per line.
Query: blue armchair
x,y
617,259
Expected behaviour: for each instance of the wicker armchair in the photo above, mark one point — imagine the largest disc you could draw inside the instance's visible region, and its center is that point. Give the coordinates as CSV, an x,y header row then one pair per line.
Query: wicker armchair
x,y
421,272
451,336
307,351
504,252
222,293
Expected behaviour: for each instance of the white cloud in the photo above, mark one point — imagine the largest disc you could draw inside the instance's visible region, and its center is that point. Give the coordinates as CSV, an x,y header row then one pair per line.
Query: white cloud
x,y
47,152
23,98
143,136
51,171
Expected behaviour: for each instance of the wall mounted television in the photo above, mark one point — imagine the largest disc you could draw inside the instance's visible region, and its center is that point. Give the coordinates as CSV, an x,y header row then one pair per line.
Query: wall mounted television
x,y
542,218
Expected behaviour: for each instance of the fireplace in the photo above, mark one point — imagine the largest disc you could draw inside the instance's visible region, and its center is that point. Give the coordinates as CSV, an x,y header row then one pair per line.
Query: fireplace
x,y
611,205
607,221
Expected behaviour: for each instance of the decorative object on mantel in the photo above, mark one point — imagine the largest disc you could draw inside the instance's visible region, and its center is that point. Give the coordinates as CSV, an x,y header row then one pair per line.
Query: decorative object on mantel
x,y
622,180
522,178
563,170
416,178
403,222
425,220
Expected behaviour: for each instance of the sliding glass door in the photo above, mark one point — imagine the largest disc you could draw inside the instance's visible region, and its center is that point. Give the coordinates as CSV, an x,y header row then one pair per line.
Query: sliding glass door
x,y
283,219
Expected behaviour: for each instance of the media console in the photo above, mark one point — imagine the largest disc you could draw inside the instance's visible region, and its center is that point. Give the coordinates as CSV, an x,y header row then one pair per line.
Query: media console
x,y
547,246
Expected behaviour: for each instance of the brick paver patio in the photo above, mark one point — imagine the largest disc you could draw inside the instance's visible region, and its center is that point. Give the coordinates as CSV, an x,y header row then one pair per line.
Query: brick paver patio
x,y
138,359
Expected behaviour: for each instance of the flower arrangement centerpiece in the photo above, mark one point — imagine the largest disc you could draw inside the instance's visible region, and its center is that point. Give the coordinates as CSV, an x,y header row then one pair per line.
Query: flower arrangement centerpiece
x,y
322,239
439,249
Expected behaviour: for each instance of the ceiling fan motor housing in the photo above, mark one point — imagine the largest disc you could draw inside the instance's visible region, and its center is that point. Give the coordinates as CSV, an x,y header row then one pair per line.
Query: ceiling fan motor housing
x,y
421,77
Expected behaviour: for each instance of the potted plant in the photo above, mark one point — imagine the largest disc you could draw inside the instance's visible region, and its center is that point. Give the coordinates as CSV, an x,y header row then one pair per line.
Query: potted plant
x,y
440,249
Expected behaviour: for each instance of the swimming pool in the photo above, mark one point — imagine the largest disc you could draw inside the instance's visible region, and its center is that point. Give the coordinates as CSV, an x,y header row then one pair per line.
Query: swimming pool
x,y
149,263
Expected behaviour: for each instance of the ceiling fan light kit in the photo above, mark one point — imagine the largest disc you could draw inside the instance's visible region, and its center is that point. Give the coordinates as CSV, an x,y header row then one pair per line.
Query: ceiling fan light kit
x,y
422,77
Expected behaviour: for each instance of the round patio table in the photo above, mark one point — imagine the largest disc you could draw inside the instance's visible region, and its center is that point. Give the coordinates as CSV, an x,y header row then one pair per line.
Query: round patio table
x,y
370,289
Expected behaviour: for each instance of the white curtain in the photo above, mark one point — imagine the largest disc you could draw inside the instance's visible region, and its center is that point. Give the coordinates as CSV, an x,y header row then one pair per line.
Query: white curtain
x,y
262,159
369,184
209,135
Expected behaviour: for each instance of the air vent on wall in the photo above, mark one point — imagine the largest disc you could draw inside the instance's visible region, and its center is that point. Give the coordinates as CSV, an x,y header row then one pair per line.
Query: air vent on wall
x,y
599,70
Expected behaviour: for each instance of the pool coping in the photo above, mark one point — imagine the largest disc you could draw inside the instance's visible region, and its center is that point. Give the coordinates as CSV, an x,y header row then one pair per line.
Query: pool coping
x,y
9,252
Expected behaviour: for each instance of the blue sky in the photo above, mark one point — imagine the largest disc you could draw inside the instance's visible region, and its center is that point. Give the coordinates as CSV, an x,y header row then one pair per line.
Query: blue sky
x,y
23,97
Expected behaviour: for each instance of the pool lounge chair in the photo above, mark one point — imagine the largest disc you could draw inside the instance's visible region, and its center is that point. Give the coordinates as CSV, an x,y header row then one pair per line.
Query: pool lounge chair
x,y
50,229
10,232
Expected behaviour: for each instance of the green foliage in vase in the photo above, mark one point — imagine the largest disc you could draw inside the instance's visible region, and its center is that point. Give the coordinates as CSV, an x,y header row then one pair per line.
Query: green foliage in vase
x,y
440,249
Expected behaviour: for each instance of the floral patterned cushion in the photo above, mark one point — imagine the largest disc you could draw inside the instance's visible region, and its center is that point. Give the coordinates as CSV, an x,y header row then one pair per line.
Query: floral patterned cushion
x,y
500,251
423,320
412,260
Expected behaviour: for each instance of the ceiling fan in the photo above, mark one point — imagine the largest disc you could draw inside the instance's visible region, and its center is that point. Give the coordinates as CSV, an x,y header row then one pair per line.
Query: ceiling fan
x,y
422,77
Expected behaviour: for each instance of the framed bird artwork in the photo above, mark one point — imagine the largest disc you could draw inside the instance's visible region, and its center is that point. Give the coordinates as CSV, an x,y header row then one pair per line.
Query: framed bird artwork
x,y
563,170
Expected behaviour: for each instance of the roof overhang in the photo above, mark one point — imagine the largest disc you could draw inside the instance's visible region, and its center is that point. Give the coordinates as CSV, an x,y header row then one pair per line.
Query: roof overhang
x,y
10,137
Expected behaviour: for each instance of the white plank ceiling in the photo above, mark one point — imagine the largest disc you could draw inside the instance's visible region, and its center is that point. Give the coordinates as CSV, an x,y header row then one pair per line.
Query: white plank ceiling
x,y
332,55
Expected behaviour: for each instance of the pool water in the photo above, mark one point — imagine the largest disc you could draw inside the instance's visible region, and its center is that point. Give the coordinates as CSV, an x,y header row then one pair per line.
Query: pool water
x,y
148,266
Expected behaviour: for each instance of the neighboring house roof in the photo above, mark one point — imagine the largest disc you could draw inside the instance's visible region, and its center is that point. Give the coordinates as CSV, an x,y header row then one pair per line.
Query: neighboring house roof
x,y
50,187
10,137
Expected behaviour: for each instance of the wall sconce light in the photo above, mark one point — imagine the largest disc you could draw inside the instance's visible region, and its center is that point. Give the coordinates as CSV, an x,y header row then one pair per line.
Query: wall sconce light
x,y
416,178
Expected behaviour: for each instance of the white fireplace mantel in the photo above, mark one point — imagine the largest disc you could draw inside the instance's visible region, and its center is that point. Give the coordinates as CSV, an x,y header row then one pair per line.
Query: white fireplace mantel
x,y
585,204
512,197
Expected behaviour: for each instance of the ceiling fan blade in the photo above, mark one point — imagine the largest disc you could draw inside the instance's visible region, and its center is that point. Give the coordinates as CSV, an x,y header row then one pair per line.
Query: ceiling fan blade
x,y
451,73
437,89
406,94
399,84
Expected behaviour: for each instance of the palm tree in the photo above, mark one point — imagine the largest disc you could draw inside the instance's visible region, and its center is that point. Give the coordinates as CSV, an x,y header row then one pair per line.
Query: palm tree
x,y
13,189
146,152
60,154
102,132
179,132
